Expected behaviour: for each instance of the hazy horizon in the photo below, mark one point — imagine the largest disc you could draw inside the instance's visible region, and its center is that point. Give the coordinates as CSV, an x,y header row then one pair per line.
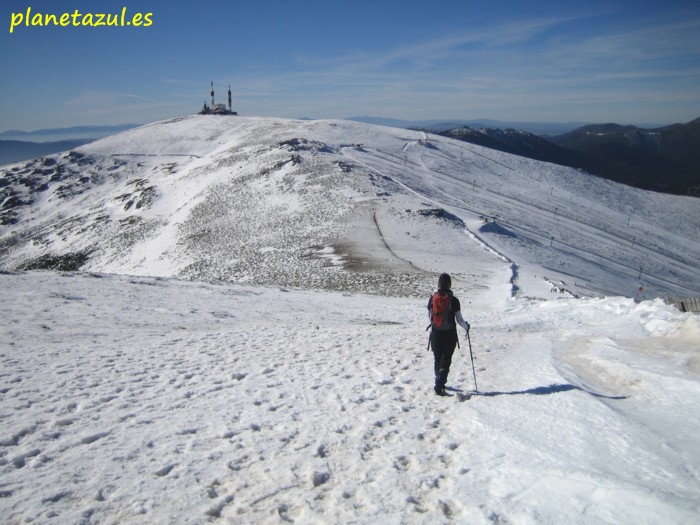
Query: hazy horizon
x,y
543,61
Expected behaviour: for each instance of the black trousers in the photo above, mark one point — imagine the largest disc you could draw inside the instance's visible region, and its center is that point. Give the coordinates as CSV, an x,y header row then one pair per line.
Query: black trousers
x,y
443,345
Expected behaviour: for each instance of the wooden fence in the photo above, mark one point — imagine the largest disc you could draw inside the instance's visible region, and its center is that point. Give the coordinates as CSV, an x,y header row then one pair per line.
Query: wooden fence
x,y
685,304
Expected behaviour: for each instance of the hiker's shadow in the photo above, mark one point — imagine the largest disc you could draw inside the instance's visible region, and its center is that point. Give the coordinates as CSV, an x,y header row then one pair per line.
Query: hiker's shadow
x,y
546,390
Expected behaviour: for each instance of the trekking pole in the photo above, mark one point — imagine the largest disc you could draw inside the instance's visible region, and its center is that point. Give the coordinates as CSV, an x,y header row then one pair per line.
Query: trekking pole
x,y
476,388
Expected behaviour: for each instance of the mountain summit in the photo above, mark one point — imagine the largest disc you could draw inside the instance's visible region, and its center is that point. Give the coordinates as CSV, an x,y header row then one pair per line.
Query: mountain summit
x,y
339,205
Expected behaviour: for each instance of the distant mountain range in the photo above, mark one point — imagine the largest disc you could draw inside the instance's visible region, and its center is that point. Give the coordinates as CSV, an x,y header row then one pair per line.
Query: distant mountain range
x,y
537,128
665,159
12,151
72,132
17,145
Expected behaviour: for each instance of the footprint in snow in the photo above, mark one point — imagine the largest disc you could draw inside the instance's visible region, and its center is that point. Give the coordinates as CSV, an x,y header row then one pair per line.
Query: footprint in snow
x,y
20,461
165,470
87,440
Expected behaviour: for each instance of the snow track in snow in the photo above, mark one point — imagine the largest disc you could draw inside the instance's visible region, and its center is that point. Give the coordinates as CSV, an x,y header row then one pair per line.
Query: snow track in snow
x,y
136,399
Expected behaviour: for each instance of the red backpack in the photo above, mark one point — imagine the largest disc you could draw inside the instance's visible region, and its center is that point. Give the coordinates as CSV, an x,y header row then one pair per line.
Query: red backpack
x,y
441,303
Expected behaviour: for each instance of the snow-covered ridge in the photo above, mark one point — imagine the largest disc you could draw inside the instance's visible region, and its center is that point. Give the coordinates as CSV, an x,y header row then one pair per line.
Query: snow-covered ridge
x,y
340,205
149,398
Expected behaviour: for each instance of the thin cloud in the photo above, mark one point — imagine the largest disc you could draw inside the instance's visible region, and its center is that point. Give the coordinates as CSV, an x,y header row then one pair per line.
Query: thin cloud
x,y
104,98
115,107
475,40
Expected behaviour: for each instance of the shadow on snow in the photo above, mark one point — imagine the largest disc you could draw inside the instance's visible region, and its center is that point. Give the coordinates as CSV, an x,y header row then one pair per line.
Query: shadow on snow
x,y
544,390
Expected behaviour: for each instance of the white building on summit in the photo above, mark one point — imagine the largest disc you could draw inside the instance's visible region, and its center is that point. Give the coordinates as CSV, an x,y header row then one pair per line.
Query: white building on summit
x,y
218,109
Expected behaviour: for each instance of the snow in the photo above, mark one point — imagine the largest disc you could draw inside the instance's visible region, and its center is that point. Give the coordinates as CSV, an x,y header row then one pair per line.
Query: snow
x,y
249,345
206,197
132,400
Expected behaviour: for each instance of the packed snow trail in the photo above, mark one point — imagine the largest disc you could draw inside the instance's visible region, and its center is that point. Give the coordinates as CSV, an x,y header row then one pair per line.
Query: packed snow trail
x,y
137,400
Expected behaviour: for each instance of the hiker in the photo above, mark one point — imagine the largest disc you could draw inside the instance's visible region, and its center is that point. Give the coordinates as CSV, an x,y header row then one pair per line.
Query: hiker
x,y
445,315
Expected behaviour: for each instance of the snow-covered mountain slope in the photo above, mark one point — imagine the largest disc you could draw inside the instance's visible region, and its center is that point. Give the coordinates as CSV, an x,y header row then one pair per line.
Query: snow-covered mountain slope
x,y
340,205
169,396
146,400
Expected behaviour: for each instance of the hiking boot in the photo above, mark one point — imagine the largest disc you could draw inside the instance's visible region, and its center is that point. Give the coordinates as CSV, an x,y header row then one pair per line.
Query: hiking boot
x,y
440,390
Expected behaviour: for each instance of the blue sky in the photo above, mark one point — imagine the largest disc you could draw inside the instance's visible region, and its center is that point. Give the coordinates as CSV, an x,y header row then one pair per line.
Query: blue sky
x,y
540,61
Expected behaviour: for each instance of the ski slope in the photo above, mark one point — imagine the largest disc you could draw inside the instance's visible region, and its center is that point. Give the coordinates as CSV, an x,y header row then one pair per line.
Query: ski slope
x,y
245,340
344,206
